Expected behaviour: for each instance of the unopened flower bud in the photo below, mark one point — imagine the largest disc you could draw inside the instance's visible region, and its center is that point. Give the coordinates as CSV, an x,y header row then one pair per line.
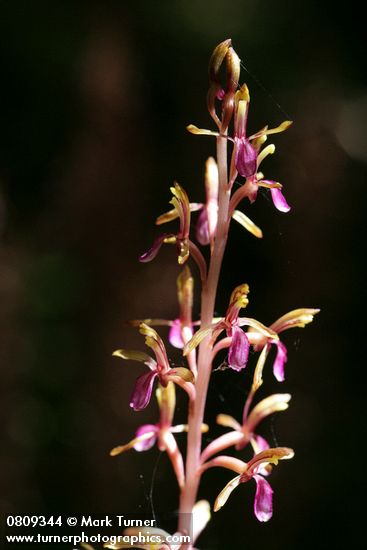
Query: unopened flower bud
x,y
217,59
223,92
233,75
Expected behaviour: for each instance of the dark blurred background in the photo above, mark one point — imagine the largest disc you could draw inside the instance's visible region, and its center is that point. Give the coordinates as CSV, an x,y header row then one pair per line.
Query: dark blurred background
x,y
95,97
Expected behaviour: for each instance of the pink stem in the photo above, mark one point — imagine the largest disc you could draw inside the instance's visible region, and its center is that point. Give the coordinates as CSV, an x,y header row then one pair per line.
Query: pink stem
x,y
209,291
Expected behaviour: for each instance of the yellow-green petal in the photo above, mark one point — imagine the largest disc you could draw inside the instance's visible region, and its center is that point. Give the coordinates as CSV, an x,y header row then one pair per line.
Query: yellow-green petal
x,y
249,225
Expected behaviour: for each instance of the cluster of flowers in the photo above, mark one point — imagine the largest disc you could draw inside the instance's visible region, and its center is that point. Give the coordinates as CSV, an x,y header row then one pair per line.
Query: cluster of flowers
x,y
232,333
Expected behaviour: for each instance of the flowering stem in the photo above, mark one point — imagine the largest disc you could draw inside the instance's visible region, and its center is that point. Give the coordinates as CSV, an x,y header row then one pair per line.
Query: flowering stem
x,y
208,296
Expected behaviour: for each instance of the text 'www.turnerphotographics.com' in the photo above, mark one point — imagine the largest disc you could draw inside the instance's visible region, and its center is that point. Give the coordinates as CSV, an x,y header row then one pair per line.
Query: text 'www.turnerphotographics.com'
x,y
75,529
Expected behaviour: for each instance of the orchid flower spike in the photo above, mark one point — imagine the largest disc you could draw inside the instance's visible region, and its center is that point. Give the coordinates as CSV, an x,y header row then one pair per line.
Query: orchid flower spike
x,y
159,367
263,503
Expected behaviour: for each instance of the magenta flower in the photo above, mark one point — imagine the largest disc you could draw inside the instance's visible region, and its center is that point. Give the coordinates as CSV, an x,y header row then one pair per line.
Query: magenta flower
x,y
263,503
159,368
239,344
246,149
247,154
296,318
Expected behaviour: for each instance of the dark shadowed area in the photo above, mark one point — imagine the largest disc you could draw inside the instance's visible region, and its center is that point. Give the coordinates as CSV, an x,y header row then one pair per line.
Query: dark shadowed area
x,y
95,98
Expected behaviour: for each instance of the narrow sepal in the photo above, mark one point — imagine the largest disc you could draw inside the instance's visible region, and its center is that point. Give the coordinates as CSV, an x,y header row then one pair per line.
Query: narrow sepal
x,y
225,493
200,131
272,404
269,456
198,337
249,225
295,318
258,378
132,355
